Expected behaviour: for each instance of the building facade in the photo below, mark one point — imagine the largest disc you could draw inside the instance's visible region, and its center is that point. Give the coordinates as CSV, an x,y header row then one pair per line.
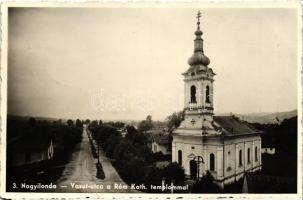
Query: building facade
x,y
223,145
161,143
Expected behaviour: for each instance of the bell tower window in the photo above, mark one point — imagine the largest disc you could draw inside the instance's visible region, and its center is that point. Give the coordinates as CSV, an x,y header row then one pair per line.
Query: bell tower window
x,y
207,95
193,94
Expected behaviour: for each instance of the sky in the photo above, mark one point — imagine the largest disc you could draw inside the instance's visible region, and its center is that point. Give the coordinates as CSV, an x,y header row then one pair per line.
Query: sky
x,y
126,63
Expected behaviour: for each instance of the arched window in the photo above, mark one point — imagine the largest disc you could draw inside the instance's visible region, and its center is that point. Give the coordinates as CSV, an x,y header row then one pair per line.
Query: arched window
x,y
240,158
256,153
248,155
180,157
193,94
212,162
227,159
207,94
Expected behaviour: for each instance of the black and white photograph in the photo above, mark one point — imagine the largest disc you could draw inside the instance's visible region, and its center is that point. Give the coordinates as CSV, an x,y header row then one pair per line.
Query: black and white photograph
x,y
164,99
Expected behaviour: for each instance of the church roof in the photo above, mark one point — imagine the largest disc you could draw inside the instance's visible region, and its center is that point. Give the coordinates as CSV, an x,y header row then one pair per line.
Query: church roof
x,y
233,126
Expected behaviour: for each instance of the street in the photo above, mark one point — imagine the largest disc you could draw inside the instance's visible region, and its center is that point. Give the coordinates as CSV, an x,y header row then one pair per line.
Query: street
x,y
79,174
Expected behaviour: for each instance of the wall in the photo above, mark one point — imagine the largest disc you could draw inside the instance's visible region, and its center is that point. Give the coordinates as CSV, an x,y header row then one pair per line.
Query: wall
x,y
159,148
227,166
19,158
200,84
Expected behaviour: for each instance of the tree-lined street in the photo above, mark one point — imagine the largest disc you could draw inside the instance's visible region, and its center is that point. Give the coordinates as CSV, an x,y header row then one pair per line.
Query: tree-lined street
x,y
80,173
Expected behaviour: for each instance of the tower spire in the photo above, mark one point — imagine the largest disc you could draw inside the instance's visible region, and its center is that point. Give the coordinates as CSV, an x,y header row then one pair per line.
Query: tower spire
x,y
198,58
198,17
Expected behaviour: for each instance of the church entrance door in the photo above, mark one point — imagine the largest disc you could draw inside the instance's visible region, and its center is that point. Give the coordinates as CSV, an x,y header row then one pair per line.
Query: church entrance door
x,y
193,169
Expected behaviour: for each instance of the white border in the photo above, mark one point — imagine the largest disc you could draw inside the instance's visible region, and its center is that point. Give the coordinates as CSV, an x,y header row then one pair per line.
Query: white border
x,y
4,32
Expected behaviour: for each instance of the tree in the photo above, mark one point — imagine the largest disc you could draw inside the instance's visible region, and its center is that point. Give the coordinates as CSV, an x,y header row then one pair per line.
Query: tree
x,y
87,121
32,122
174,172
94,124
146,124
149,118
286,137
111,143
79,123
152,176
70,122
174,120
100,123
59,121
130,132
125,151
102,133
206,185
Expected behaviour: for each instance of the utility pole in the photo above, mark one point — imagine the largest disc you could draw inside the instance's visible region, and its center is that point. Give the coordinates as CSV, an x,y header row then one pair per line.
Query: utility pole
x,y
98,151
198,160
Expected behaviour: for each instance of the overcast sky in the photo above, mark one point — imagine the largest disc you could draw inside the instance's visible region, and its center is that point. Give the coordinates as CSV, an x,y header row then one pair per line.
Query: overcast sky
x,y
111,63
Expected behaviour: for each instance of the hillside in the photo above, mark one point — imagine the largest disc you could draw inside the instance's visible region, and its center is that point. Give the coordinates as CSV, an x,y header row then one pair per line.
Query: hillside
x,y
268,118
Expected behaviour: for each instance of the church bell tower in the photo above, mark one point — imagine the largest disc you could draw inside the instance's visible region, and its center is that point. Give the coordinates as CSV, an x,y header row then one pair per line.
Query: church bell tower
x,y
198,83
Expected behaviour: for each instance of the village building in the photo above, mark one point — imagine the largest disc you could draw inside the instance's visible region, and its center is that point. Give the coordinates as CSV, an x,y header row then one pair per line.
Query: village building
x,y
161,143
268,147
223,145
31,150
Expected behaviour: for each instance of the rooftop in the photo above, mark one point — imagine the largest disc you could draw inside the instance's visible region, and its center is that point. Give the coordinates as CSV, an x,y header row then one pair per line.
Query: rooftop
x,y
233,126
161,138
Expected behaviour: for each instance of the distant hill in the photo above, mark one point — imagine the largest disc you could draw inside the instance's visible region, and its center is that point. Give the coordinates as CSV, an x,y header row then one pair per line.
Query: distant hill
x,y
268,118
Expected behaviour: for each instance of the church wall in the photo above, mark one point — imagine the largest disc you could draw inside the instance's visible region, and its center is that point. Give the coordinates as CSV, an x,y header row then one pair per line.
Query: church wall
x,y
173,151
240,166
187,149
198,120
227,163
218,174
192,145
234,147
229,160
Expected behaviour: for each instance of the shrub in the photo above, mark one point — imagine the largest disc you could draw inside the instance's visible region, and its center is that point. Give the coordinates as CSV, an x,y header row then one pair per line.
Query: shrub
x,y
174,172
206,185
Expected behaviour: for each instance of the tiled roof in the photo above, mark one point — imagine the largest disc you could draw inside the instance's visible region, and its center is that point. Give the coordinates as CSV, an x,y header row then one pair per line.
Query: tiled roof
x,y
233,126
161,139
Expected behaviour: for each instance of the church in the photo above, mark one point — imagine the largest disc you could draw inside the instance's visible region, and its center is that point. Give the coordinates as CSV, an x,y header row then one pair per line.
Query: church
x,y
223,145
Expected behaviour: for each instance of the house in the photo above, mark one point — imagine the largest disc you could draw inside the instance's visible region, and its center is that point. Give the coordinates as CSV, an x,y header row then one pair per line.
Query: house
x,y
31,149
123,132
223,145
161,143
268,148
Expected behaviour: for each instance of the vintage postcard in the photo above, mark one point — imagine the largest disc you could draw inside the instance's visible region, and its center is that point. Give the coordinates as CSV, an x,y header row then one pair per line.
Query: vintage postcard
x,y
130,100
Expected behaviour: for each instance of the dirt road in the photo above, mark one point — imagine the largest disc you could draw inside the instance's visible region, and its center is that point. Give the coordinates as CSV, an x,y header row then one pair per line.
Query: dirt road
x,y
79,174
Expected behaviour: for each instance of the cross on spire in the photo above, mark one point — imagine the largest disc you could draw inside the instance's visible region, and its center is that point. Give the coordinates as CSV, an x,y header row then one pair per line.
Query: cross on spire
x,y
198,17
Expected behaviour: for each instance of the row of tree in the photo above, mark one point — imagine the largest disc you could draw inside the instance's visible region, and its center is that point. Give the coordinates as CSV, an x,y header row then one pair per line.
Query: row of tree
x,y
131,156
